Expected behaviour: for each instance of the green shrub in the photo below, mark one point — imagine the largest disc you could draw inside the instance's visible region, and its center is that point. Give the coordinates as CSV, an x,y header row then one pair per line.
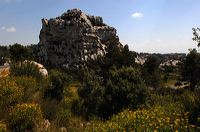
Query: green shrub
x,y
25,117
10,92
124,89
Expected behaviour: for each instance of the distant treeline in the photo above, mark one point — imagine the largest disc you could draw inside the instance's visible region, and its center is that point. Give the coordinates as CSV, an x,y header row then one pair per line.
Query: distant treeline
x,y
16,51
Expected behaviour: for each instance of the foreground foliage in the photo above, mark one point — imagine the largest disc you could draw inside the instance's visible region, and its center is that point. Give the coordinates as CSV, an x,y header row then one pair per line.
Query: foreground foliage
x,y
144,120
25,117
10,93
3,127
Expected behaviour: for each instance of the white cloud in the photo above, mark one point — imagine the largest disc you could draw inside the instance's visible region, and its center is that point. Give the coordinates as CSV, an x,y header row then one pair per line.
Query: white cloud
x,y
158,40
3,28
137,15
9,29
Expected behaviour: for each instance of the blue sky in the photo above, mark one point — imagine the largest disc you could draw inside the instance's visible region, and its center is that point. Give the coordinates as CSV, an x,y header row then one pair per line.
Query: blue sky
x,y
161,26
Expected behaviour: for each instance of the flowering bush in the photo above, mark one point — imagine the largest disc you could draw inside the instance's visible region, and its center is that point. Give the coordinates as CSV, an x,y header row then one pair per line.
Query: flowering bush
x,y
29,84
26,82
10,92
25,117
144,120
3,127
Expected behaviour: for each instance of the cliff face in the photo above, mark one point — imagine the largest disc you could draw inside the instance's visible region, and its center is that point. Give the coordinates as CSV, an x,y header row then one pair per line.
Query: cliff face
x,y
73,38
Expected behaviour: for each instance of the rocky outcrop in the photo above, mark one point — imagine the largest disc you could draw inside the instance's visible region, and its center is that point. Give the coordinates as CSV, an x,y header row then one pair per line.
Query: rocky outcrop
x,y
74,38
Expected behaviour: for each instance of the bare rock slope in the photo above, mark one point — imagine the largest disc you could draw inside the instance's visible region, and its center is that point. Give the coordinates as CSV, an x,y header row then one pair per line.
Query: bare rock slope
x,y
73,38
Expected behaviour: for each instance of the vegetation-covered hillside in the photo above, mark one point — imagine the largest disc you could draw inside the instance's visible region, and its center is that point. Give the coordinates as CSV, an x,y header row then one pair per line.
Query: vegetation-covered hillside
x,y
110,93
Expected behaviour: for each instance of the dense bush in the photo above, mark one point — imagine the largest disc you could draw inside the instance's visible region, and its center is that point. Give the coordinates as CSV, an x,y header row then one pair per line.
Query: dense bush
x,y
10,92
3,127
25,117
123,89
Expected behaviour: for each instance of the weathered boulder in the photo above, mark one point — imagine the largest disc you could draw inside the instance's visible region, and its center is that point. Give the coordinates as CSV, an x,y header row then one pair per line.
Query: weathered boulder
x,y
73,38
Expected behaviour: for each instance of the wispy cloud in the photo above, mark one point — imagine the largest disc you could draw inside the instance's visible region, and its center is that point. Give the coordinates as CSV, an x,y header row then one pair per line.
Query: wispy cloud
x,y
9,29
137,15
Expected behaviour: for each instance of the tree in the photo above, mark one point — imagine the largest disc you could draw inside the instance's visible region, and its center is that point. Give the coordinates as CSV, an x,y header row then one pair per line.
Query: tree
x,y
128,57
116,56
191,68
151,72
120,57
196,35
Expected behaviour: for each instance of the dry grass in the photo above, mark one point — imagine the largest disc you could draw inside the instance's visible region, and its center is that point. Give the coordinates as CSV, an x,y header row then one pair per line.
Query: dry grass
x,y
73,88
4,72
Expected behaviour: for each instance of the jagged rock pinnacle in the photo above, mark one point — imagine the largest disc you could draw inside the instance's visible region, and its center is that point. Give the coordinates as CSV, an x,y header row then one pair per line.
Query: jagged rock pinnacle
x,y
73,38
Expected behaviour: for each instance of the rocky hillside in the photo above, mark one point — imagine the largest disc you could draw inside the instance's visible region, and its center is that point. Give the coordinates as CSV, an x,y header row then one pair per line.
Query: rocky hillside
x,y
73,38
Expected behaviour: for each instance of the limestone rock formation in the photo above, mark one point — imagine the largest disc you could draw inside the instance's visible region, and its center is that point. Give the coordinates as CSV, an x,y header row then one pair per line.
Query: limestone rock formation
x,y
73,38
